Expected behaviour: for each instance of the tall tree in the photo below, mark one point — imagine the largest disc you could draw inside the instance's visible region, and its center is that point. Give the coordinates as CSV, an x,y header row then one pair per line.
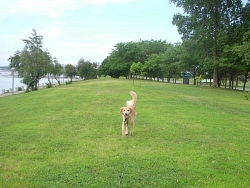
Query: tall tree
x,y
243,52
70,71
56,70
156,65
204,22
31,63
86,69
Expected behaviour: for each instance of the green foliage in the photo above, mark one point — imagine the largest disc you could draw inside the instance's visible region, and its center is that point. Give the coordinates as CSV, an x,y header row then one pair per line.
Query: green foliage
x,y
70,71
199,78
33,63
49,85
86,69
242,50
246,95
109,67
136,68
211,25
68,82
118,63
19,89
56,70
30,63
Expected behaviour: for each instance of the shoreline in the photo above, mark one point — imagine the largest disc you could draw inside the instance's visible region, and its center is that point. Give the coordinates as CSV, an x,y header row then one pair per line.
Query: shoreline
x,y
9,93
41,86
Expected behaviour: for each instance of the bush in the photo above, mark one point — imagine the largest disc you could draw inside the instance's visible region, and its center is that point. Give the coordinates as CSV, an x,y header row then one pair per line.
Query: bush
x,y
19,89
48,85
68,82
246,95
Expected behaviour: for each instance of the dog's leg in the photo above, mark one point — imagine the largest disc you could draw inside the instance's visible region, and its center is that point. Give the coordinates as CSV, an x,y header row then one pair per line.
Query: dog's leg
x,y
132,129
123,128
126,128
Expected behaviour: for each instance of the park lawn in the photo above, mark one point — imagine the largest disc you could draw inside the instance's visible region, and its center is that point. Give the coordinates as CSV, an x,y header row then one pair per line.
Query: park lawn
x,y
70,136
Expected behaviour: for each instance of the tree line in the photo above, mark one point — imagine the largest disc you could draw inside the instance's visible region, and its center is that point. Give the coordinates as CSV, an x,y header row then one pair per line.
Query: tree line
x,y
33,63
215,43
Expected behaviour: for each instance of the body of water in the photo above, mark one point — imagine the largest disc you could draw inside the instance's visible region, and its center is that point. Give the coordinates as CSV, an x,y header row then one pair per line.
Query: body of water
x,y
6,80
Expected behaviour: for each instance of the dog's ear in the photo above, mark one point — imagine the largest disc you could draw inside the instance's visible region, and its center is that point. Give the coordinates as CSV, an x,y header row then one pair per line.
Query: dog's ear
x,y
131,110
121,109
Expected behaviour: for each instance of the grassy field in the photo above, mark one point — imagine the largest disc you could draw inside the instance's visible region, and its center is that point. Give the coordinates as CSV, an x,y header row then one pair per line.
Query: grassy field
x,y
70,136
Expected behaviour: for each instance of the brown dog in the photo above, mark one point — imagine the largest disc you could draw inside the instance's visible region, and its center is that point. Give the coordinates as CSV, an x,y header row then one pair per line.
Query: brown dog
x,y
129,114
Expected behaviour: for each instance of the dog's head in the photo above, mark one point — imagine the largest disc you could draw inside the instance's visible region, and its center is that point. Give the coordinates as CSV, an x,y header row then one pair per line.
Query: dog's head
x,y
126,111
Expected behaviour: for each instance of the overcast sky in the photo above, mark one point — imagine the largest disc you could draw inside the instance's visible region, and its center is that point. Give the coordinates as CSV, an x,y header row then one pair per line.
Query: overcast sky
x,y
74,29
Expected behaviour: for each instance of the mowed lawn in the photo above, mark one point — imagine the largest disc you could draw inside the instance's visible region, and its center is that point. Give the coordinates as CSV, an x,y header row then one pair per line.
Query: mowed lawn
x,y
70,136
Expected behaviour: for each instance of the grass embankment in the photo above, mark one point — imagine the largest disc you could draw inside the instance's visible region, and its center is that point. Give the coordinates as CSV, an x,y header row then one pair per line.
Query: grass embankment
x,y
70,136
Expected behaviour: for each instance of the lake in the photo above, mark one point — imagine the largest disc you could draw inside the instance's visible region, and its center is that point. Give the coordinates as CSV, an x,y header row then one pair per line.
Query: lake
x,y
6,79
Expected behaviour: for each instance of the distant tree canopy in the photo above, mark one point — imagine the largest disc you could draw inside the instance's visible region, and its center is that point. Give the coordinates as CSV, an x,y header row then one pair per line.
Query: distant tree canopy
x,y
124,54
215,43
214,26
70,71
33,63
86,69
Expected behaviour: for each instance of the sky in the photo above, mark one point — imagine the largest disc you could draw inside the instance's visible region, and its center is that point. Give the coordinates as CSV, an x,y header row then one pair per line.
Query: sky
x,y
88,29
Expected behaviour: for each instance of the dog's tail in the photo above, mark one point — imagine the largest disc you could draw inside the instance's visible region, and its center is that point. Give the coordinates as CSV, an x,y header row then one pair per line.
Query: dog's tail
x,y
134,99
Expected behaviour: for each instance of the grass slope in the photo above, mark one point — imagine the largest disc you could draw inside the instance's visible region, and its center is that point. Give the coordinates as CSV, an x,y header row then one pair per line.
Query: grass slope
x,y
70,136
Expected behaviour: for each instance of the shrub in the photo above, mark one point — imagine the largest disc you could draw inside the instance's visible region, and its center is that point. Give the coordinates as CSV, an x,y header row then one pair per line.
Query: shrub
x,y
199,78
246,95
68,82
48,85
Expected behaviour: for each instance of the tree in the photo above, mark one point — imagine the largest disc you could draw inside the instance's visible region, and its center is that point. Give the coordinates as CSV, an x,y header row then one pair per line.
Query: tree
x,y
124,54
242,51
111,66
86,69
156,65
70,71
32,62
233,63
56,70
172,62
205,21
136,68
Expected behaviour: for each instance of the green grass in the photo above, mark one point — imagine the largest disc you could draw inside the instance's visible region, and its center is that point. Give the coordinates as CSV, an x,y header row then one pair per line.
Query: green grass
x,y
70,136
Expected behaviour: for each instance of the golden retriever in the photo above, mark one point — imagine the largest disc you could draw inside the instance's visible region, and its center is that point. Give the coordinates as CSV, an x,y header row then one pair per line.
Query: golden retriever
x,y
129,115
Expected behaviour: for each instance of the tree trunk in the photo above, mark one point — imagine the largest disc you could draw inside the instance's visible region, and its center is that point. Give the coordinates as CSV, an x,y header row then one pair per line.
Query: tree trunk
x,y
245,81
237,82
58,81
225,81
194,76
168,80
49,80
158,75
216,52
215,77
